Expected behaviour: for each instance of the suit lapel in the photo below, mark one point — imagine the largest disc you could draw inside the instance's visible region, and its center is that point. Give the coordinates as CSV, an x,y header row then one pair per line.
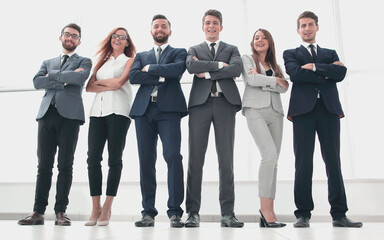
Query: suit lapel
x,y
164,53
221,47
319,53
71,59
305,54
152,56
205,47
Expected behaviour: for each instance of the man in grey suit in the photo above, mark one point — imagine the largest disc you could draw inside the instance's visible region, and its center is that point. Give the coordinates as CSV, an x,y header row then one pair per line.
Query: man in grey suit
x,y
60,115
214,98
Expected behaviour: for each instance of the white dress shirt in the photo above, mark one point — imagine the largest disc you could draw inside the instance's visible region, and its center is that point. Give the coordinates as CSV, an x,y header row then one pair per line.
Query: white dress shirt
x,y
306,45
118,101
207,75
161,79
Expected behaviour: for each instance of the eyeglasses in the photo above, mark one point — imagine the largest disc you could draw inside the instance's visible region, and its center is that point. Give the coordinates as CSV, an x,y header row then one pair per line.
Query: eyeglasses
x,y
73,36
121,37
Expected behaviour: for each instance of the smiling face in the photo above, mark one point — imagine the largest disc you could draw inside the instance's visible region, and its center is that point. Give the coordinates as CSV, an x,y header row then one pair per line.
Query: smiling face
x,y
212,28
160,31
260,42
70,39
308,29
118,43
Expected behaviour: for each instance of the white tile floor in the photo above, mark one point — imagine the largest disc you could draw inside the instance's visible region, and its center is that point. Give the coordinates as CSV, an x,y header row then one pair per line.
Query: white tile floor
x,y
207,230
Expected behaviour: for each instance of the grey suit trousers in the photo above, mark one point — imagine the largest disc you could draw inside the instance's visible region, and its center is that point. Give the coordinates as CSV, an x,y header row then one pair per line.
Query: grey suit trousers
x,y
222,114
266,127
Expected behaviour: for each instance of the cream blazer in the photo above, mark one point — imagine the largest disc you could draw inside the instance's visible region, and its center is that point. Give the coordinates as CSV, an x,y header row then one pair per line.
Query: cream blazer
x,y
260,90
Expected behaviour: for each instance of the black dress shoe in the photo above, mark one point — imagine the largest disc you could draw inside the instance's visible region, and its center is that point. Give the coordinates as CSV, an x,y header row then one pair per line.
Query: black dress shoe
x,y
346,222
175,221
264,223
62,219
231,221
193,220
146,221
34,219
302,222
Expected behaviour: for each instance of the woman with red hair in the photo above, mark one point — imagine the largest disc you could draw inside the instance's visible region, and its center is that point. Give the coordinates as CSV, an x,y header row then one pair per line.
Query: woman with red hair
x,y
109,119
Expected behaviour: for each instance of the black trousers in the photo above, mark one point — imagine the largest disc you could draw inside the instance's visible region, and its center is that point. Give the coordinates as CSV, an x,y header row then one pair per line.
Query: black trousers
x,y
112,128
327,127
55,131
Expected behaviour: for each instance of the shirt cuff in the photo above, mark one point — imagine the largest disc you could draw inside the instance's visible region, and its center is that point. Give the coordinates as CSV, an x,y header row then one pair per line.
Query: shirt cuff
x,y
146,68
221,65
207,75
161,79
314,68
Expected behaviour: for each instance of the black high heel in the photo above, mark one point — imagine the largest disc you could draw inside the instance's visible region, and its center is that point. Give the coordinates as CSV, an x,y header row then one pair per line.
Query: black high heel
x,y
264,223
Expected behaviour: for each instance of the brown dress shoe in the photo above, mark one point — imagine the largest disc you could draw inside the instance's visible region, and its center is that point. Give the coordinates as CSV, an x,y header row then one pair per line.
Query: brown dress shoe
x,y
62,219
34,219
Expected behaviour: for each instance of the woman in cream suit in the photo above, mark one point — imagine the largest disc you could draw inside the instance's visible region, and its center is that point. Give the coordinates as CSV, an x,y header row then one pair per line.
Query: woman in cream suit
x,y
109,118
263,110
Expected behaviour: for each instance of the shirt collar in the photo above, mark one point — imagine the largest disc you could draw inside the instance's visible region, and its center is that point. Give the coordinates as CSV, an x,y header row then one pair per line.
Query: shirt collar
x,y
306,45
162,47
209,43
69,54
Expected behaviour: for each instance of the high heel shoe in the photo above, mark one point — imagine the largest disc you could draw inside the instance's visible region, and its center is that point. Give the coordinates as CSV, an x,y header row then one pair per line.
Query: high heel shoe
x,y
104,223
92,222
264,223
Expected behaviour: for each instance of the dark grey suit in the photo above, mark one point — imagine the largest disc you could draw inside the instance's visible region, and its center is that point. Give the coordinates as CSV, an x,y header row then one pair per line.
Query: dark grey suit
x,y
60,114
221,111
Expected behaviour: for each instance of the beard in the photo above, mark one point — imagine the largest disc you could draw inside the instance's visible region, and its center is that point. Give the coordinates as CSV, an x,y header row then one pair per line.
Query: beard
x,y
160,39
69,47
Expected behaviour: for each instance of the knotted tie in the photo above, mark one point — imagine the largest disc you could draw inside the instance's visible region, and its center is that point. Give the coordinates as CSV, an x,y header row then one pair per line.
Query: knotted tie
x,y
65,58
213,87
313,52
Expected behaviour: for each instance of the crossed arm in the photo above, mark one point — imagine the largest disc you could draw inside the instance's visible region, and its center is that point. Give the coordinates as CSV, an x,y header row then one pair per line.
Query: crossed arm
x,y
267,83
170,71
57,79
109,84
199,67
325,72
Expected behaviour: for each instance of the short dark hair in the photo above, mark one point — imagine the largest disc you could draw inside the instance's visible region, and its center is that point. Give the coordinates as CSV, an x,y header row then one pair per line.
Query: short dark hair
x,y
307,14
160,16
74,26
215,13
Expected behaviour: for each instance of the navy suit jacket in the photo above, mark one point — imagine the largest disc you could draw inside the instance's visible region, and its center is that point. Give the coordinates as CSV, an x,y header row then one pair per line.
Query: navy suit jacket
x,y
171,66
307,83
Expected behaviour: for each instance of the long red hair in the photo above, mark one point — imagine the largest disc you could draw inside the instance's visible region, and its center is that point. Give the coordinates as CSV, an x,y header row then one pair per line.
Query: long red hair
x,y
105,50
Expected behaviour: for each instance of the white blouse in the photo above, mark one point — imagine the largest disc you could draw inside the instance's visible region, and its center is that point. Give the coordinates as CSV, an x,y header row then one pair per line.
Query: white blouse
x,y
118,101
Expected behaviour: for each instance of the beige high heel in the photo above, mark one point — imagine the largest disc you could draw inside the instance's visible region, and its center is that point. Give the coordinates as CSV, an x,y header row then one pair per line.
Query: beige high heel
x,y
92,222
104,223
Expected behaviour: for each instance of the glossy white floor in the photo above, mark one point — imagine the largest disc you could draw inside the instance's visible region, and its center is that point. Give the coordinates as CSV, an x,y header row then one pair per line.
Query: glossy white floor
x,y
207,230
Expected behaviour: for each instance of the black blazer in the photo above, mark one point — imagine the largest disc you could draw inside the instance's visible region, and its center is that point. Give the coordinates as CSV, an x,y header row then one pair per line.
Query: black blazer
x,y
171,66
307,84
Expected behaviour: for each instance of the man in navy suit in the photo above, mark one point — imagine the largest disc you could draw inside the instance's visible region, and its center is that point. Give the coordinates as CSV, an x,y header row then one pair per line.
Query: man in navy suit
x,y
60,115
157,109
315,108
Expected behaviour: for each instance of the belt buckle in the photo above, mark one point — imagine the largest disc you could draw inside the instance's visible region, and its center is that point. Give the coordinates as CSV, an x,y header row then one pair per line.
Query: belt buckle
x,y
216,94
153,99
